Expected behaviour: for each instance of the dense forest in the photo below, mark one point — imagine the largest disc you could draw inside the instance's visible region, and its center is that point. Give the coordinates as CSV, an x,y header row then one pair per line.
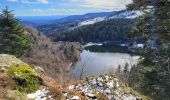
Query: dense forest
x,y
109,30
152,75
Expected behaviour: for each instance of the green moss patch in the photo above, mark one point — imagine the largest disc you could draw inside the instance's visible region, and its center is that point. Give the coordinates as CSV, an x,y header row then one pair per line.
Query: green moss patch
x,y
24,78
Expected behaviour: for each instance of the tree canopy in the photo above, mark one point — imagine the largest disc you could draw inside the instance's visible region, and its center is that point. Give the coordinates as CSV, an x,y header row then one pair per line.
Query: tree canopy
x,y
12,38
152,76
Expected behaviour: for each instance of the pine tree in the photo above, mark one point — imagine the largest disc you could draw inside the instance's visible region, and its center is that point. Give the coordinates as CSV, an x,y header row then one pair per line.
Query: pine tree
x,y
119,70
126,73
12,38
126,69
151,77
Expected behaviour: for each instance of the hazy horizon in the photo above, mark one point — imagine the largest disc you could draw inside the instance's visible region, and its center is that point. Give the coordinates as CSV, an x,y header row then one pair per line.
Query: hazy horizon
x,y
62,7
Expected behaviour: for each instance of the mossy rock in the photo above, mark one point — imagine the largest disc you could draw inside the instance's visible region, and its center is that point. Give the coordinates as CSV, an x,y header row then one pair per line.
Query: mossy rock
x,y
24,77
7,60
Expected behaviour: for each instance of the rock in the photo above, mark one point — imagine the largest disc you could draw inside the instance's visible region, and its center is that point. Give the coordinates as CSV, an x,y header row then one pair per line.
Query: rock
x,y
100,79
104,85
107,78
75,98
93,81
110,97
3,69
100,84
71,87
107,91
39,94
7,60
92,96
65,94
110,84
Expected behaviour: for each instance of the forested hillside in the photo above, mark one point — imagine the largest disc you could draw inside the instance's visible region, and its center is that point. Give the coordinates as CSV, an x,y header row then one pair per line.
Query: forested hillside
x,y
110,30
55,58
152,76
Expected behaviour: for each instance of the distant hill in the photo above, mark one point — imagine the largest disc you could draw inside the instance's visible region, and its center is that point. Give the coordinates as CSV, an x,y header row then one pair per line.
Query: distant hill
x,y
72,22
107,30
38,20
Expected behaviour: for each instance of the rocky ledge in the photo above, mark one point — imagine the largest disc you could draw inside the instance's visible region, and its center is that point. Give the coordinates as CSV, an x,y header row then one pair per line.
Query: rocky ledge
x,y
104,87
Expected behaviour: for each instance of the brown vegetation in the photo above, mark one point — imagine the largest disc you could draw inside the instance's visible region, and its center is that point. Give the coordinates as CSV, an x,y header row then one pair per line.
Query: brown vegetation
x,y
57,90
55,58
5,84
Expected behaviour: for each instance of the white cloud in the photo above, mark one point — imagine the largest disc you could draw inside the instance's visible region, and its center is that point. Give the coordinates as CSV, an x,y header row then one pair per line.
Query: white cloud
x,y
12,0
43,1
102,4
30,2
63,10
37,10
25,1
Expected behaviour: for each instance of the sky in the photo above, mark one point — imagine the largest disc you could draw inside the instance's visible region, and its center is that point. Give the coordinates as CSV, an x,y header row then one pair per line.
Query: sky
x,y
62,7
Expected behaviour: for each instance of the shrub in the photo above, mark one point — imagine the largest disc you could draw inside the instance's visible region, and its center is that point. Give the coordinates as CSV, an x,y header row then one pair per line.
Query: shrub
x,y
24,78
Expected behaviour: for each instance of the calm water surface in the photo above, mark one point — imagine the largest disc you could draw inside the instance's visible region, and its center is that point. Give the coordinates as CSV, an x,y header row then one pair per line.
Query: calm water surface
x,y
99,60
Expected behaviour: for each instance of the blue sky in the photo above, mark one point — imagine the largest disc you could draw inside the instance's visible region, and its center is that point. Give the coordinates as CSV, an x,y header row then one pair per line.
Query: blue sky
x,y
61,7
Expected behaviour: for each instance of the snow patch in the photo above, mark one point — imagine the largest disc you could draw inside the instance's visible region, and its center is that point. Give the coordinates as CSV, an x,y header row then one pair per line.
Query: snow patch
x,y
40,95
91,21
93,44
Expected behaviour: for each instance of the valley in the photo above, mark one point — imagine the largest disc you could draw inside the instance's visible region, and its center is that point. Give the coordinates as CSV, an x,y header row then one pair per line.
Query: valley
x,y
84,50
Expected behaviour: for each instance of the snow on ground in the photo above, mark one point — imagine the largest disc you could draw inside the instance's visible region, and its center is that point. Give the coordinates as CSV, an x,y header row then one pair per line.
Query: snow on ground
x,y
91,21
92,44
127,14
140,45
40,95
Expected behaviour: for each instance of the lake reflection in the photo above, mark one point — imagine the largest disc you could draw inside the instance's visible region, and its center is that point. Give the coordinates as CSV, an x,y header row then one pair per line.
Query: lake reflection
x,y
97,63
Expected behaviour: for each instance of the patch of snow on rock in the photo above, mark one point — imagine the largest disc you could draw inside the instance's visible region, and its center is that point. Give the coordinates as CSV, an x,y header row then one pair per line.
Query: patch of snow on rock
x,y
39,95
75,98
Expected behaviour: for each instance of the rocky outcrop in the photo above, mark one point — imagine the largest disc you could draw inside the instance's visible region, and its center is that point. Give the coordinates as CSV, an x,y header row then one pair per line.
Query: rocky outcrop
x,y
13,74
105,87
7,60
55,58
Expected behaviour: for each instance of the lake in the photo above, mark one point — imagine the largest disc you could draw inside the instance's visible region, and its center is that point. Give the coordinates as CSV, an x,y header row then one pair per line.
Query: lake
x,y
100,59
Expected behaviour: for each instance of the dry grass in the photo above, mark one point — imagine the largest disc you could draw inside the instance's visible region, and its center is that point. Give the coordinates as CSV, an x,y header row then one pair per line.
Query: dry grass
x,y
57,89
5,84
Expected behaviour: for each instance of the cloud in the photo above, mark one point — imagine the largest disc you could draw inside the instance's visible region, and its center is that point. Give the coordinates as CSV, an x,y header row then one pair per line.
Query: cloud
x,y
37,10
25,1
102,4
12,0
30,2
43,1
63,10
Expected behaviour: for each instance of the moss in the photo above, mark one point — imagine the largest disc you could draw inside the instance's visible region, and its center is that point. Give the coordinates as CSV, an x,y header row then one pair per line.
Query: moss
x,y
24,78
